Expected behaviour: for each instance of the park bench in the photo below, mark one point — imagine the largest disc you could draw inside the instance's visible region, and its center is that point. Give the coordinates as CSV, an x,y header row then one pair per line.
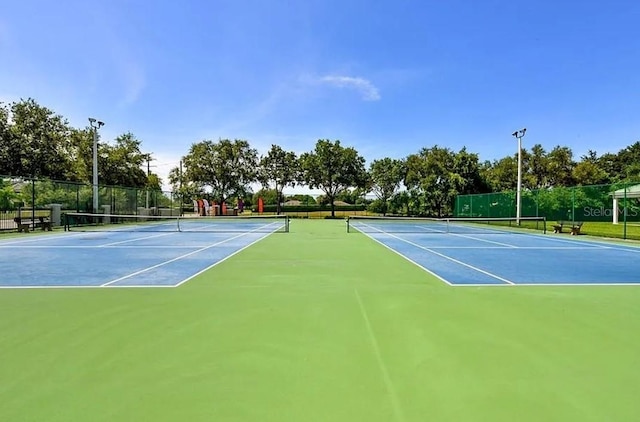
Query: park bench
x,y
573,226
25,223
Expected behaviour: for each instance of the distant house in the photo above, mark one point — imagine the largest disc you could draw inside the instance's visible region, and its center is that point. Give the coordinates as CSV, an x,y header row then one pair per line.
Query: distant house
x,y
292,203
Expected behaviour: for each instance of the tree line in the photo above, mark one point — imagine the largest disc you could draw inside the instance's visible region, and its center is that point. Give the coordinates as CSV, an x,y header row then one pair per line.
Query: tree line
x,y
36,142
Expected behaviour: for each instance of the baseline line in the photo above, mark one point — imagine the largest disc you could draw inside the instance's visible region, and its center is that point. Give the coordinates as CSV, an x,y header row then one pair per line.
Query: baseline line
x,y
464,264
447,257
173,260
225,258
408,259
192,253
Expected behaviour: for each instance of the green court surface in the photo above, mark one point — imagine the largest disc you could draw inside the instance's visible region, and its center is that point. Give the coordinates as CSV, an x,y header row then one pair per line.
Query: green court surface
x,y
320,325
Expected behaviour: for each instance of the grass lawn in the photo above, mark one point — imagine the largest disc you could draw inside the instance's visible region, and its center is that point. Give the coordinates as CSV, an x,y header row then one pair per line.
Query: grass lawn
x,y
320,325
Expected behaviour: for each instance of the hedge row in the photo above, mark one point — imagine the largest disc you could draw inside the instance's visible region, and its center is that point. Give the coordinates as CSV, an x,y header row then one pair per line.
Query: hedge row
x,y
311,208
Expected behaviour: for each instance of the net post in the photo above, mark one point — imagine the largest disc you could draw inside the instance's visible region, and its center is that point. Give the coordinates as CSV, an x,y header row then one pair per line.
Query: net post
x,y
347,220
286,223
544,225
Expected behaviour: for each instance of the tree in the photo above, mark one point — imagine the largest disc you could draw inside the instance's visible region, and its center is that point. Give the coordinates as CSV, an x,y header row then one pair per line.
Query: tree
x,y
353,196
185,189
467,167
8,147
332,168
33,141
435,176
121,164
538,174
629,159
610,164
8,196
560,161
587,173
386,176
227,167
80,155
303,198
279,167
501,175
269,197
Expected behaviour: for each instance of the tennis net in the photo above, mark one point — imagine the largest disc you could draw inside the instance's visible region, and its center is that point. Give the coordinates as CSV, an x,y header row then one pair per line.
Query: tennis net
x,y
371,224
144,223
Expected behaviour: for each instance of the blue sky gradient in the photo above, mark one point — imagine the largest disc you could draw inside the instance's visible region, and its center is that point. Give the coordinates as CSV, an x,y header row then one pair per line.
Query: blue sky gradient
x,y
386,77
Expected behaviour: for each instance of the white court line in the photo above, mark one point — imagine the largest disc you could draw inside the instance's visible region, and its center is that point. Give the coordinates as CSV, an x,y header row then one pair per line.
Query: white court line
x,y
484,240
184,256
469,237
543,248
393,396
57,286
225,258
137,239
444,256
444,280
104,246
77,286
549,284
38,238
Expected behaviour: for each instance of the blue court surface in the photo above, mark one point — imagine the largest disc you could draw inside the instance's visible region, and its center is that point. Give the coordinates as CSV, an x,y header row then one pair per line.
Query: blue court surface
x,y
506,258
116,258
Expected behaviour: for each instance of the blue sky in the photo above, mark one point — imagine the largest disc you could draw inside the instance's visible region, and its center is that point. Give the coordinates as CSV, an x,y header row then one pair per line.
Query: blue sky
x,y
386,77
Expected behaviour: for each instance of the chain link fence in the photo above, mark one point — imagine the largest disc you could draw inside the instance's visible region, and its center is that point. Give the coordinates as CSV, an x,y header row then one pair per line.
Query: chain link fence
x,y
22,197
615,206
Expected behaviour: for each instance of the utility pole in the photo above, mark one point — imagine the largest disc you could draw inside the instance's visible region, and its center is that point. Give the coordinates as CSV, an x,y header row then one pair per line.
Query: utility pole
x,y
148,158
181,194
519,134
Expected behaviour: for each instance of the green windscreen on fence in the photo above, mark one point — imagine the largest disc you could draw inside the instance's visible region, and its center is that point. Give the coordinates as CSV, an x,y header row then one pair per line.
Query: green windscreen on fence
x,y
618,204
579,203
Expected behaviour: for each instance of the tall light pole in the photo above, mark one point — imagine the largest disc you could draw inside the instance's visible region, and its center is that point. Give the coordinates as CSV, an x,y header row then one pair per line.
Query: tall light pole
x,y
95,125
519,134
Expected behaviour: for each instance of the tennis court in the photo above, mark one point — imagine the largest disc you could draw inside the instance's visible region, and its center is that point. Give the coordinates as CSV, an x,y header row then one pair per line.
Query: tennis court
x,y
129,251
315,324
472,252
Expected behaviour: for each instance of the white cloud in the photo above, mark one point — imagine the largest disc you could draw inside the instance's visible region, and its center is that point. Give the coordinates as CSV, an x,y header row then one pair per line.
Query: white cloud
x,y
368,91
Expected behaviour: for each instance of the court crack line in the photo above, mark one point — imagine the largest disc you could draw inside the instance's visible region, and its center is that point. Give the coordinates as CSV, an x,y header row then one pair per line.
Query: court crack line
x,y
395,403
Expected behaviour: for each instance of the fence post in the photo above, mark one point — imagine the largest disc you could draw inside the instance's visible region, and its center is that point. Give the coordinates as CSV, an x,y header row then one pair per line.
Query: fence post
x,y
33,203
573,204
624,213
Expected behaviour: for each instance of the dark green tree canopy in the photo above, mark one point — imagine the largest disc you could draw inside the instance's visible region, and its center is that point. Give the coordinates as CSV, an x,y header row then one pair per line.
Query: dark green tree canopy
x,y
386,176
278,168
34,141
120,164
332,168
226,167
